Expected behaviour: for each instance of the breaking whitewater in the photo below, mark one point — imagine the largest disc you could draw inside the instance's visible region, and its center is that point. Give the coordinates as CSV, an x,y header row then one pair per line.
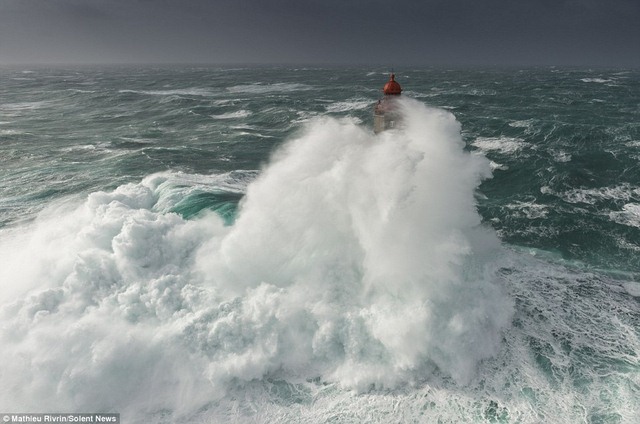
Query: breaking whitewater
x,y
349,278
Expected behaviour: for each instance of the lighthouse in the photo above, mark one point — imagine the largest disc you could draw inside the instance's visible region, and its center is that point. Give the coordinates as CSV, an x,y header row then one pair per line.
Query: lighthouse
x,y
386,114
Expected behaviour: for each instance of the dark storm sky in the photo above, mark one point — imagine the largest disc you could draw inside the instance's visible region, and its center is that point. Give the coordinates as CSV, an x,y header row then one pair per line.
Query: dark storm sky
x,y
397,32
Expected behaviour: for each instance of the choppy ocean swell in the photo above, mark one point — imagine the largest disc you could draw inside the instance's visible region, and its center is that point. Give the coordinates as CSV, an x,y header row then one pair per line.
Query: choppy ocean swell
x,y
356,283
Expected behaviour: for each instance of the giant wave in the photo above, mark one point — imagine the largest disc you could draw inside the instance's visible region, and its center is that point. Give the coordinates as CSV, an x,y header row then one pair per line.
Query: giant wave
x,y
357,276
355,259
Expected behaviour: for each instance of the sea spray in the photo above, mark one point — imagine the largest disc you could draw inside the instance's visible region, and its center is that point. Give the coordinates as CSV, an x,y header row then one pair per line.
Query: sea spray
x,y
99,327
372,242
356,259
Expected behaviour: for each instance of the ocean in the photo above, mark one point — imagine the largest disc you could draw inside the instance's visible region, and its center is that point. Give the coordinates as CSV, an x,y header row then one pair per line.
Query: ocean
x,y
209,245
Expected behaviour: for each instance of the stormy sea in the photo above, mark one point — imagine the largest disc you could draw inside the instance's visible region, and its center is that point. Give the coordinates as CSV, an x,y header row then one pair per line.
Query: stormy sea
x,y
233,245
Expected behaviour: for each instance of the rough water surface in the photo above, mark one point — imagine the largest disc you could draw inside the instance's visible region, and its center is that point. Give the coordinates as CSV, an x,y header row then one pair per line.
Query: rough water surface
x,y
236,245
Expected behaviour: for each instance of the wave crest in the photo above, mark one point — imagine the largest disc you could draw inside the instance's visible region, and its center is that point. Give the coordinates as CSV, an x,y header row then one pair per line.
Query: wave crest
x,y
355,258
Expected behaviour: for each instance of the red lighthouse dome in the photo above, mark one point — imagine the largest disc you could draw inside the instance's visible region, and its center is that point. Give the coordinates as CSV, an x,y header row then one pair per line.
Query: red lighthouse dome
x,y
392,88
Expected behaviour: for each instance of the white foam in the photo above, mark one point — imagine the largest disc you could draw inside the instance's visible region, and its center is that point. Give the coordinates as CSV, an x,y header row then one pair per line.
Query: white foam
x,y
504,145
11,132
195,91
596,80
353,227
24,106
530,210
76,90
633,289
527,123
349,105
356,259
560,156
623,192
629,215
242,113
498,166
268,88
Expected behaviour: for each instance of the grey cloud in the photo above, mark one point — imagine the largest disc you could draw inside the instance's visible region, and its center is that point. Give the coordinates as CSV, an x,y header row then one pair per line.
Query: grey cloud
x,y
563,32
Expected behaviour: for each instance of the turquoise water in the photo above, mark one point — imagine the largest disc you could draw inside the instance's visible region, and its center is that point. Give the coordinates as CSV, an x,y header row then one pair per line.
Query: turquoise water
x,y
204,244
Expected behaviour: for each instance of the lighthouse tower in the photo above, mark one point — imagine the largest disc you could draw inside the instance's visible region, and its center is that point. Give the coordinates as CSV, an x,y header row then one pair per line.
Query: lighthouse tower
x,y
385,115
